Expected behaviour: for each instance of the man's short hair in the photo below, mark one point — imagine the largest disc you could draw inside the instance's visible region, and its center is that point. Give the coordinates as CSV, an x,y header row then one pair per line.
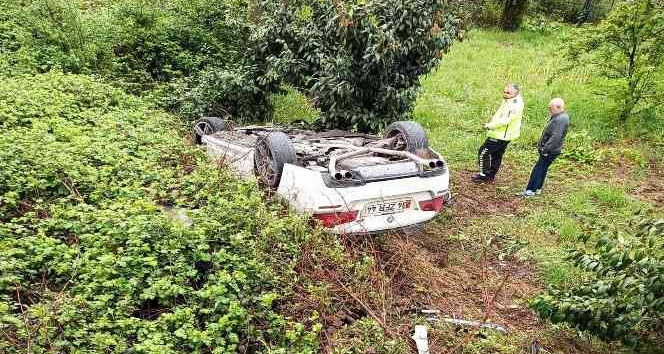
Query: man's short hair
x,y
558,102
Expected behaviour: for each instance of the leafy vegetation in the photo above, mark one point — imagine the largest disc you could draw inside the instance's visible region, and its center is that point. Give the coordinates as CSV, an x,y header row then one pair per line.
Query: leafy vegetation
x,y
624,299
594,186
92,257
574,11
189,55
628,50
359,61
116,236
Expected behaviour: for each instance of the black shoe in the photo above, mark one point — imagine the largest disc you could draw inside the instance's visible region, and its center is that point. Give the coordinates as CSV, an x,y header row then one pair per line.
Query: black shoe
x,y
480,179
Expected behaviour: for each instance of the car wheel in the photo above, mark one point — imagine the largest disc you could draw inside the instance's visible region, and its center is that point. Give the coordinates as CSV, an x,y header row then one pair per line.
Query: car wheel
x,y
207,126
408,136
271,153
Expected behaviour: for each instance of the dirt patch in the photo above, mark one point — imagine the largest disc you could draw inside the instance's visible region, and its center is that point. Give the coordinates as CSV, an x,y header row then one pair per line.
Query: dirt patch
x,y
473,200
651,188
392,278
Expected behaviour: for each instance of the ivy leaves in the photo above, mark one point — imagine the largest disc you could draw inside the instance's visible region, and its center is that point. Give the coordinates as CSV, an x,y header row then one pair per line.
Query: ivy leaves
x,y
89,260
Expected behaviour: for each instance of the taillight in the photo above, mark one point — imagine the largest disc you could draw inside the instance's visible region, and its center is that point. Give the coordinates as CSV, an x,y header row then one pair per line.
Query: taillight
x,y
435,204
334,219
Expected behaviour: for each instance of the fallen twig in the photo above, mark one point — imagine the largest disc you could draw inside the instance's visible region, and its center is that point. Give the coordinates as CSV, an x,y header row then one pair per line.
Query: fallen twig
x,y
458,322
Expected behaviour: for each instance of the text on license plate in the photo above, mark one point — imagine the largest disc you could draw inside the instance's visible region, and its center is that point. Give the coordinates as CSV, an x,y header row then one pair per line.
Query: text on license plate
x,y
387,207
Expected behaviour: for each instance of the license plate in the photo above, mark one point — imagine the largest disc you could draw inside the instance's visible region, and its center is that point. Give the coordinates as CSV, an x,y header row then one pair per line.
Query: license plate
x,y
383,208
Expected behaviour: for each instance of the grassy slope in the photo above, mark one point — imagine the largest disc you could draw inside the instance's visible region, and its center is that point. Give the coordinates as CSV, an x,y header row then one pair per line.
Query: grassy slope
x,y
465,91
599,183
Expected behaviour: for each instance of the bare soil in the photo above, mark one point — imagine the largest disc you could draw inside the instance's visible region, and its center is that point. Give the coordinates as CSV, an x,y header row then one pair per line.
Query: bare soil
x,y
651,189
428,271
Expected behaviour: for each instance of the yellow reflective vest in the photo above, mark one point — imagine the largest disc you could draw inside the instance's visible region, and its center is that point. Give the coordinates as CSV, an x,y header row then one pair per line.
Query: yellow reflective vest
x,y
506,123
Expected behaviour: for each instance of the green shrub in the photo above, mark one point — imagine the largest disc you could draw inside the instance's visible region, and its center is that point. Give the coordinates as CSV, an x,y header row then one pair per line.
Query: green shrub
x,y
624,298
158,42
190,53
90,259
360,61
490,14
38,36
220,92
293,105
580,148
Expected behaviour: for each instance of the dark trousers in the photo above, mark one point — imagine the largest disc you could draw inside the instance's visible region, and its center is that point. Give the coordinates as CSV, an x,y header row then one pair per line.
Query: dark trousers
x,y
540,170
490,156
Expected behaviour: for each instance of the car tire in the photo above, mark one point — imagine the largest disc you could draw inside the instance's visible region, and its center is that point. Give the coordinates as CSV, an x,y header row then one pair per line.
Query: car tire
x,y
410,136
207,126
271,153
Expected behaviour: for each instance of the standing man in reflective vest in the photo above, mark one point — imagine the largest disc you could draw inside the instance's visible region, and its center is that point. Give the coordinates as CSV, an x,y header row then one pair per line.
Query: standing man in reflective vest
x,y
504,127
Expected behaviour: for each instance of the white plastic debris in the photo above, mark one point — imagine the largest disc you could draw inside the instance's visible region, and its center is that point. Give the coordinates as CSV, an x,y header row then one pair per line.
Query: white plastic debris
x,y
421,339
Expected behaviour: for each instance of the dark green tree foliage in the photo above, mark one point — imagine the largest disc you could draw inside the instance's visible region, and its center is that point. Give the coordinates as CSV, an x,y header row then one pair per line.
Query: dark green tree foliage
x,y
90,259
361,61
627,49
573,11
623,298
237,93
513,13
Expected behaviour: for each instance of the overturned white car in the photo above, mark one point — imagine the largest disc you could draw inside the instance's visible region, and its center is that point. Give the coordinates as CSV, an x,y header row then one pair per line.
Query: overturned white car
x,y
352,183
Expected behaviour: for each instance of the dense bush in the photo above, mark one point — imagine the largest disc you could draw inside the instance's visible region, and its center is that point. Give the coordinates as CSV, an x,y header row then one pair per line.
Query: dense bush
x,y
623,299
574,11
361,61
91,257
233,93
38,36
183,46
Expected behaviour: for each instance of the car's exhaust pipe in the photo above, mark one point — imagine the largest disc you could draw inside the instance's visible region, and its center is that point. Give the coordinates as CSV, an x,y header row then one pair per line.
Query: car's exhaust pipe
x,y
436,164
339,175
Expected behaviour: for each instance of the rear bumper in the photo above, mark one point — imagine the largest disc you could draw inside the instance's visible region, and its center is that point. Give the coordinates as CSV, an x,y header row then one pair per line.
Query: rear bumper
x,y
384,223
307,193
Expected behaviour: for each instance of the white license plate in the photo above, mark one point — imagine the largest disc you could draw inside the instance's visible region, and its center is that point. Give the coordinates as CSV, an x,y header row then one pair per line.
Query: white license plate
x,y
383,208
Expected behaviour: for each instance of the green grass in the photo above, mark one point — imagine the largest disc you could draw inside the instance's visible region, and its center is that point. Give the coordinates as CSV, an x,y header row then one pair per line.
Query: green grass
x,y
465,91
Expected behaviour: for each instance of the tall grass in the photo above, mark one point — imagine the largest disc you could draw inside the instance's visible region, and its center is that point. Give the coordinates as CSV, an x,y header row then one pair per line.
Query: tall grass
x,y
465,91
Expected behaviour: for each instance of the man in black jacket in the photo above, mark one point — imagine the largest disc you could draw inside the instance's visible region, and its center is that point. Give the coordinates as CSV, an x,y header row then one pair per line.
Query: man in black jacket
x,y
549,147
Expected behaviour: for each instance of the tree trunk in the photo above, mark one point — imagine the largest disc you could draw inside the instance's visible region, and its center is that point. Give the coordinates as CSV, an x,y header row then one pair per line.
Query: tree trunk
x,y
513,13
587,12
